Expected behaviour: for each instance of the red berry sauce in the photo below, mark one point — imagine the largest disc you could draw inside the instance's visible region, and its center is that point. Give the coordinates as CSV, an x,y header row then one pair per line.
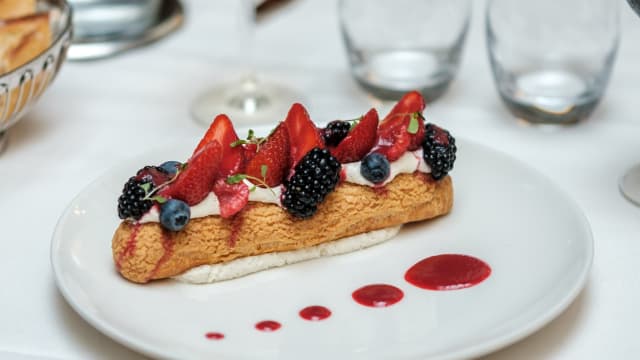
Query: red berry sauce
x,y
268,326
448,272
377,295
214,336
315,313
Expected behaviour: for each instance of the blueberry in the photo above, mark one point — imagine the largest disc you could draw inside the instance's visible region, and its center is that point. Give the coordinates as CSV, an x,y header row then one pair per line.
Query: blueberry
x,y
171,167
375,168
174,215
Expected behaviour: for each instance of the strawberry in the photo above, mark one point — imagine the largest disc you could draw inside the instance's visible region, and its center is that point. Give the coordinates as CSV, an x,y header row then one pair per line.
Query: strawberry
x,y
249,151
303,134
194,183
359,140
274,154
232,197
403,128
221,130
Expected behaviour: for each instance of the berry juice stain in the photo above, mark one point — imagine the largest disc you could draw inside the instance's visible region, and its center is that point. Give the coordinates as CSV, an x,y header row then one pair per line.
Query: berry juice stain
x,y
377,295
315,313
447,272
268,326
214,336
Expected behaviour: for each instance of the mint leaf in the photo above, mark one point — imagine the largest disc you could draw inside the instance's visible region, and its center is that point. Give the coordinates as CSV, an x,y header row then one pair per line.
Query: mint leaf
x,y
159,199
414,124
354,122
235,179
146,187
238,142
263,171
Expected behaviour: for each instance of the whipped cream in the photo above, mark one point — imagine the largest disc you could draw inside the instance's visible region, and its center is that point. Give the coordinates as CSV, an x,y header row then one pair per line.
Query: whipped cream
x,y
243,266
408,163
211,206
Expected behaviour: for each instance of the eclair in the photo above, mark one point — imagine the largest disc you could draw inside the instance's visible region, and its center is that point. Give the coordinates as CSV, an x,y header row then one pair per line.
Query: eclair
x,y
238,206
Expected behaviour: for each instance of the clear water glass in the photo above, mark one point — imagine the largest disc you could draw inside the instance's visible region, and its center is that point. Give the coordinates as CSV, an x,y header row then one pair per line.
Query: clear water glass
x,y
551,60
630,181
395,46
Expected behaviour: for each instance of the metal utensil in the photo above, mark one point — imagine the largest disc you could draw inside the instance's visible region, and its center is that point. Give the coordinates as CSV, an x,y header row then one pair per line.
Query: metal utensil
x,y
168,19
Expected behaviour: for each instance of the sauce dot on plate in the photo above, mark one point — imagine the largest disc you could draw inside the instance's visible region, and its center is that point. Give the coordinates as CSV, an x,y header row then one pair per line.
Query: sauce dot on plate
x,y
447,272
268,326
214,336
315,313
377,295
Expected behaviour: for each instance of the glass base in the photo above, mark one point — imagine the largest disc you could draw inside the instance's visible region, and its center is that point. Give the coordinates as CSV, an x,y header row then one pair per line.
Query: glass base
x,y
537,115
630,184
246,103
430,93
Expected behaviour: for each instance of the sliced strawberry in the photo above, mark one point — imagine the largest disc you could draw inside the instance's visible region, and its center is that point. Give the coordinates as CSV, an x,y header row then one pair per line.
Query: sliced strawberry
x,y
249,151
194,183
274,154
394,136
359,140
221,130
232,197
303,134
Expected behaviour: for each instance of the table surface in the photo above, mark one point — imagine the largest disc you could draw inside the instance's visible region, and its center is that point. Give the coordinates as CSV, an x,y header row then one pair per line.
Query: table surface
x,y
93,116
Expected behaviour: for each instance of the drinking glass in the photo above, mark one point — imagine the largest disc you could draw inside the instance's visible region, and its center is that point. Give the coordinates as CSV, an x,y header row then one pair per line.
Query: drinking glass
x,y
249,100
630,181
395,46
551,60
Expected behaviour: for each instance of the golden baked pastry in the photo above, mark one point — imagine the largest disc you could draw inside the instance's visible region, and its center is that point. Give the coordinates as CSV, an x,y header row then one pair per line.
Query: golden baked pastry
x,y
144,252
16,8
297,189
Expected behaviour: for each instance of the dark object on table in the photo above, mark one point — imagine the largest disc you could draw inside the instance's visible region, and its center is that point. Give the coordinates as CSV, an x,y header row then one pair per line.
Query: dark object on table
x,y
268,7
635,5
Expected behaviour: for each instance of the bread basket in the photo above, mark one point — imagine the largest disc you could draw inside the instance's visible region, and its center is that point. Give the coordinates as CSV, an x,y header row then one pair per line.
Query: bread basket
x,y
21,88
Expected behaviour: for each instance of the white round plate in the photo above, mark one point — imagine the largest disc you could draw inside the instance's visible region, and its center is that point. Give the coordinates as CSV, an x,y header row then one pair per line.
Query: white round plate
x,y
533,236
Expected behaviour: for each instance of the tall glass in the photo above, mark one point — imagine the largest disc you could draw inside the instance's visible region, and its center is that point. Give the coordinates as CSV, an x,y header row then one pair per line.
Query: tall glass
x,y
630,181
250,99
551,59
395,46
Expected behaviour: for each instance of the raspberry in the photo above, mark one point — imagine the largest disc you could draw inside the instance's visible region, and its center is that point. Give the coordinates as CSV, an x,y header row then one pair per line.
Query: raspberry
x,y
335,132
315,176
439,151
154,174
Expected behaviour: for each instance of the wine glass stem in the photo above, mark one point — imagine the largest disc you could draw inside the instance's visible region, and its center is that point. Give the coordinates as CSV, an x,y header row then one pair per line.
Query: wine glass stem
x,y
247,42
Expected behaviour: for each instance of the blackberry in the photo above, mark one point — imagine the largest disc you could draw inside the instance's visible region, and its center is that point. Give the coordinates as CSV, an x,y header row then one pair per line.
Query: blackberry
x,y
315,176
131,204
335,132
439,150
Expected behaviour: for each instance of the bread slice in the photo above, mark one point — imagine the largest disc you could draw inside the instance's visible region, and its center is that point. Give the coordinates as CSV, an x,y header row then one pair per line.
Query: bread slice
x,y
16,8
22,39
144,252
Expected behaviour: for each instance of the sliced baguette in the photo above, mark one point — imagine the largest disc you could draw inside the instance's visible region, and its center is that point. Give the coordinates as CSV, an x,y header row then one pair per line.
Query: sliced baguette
x,y
16,8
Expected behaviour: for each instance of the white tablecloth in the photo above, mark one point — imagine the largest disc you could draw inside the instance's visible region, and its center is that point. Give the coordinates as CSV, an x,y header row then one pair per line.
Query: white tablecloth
x,y
99,114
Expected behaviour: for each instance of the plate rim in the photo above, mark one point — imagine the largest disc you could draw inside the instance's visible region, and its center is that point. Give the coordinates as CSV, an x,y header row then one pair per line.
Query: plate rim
x,y
479,349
